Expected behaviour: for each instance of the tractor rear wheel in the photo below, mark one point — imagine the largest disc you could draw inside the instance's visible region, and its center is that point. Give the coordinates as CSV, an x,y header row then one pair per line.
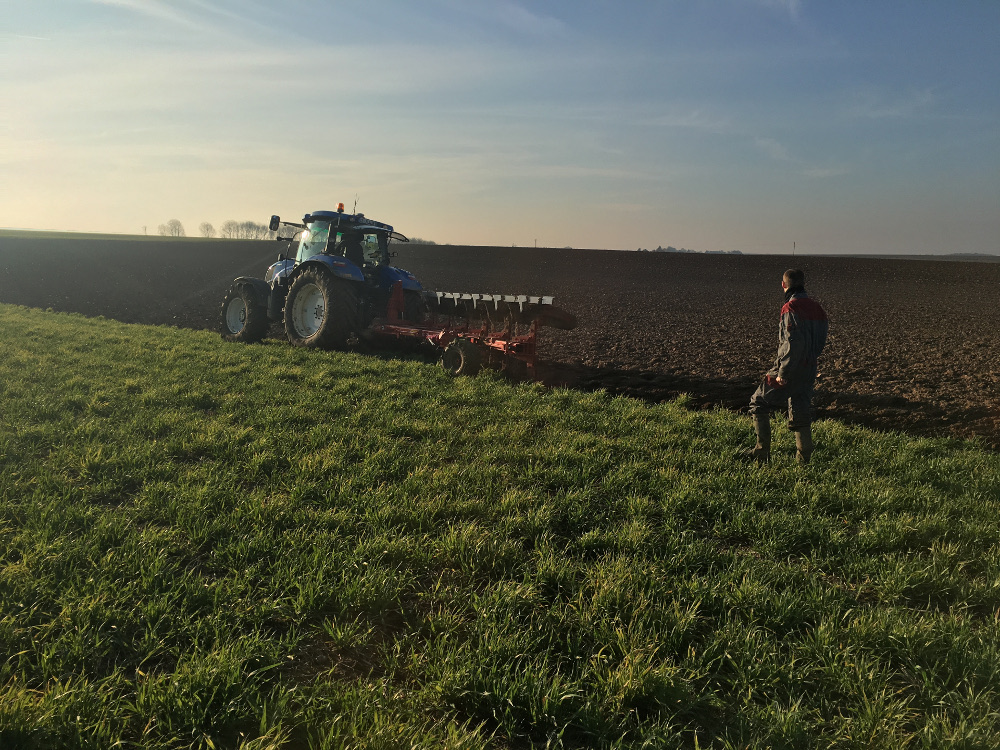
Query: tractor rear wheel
x,y
462,357
242,318
321,311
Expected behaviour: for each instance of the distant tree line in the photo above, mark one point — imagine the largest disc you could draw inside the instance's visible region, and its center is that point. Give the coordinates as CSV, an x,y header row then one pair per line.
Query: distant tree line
x,y
670,249
230,230
244,230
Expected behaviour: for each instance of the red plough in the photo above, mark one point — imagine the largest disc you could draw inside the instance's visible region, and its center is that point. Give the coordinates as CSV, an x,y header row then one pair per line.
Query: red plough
x,y
471,330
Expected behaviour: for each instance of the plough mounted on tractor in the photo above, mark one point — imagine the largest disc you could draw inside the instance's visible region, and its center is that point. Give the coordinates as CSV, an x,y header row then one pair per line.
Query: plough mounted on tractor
x,y
338,290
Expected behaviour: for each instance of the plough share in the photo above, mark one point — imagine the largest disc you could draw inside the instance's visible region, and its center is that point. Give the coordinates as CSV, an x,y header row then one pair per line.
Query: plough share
x,y
471,330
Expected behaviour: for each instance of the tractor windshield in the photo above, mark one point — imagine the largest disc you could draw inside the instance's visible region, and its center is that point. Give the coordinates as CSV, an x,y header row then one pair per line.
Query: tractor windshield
x,y
314,240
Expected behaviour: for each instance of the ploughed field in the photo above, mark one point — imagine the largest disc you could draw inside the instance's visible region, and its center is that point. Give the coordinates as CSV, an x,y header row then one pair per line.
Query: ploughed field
x,y
914,344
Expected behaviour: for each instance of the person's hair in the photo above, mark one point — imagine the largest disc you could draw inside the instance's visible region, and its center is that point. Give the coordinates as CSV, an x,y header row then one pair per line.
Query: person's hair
x,y
794,277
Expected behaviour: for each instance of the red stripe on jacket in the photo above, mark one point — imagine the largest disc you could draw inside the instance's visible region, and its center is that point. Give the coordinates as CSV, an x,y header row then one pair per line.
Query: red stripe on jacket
x,y
805,308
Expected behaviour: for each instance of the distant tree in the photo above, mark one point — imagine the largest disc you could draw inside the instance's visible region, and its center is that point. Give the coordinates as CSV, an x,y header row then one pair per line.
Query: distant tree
x,y
418,241
206,229
172,228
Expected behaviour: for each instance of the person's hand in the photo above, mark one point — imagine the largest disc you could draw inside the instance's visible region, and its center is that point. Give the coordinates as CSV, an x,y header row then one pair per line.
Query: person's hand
x,y
779,380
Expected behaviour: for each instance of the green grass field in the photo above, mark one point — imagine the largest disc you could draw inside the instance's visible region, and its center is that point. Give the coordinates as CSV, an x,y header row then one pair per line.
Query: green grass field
x,y
217,546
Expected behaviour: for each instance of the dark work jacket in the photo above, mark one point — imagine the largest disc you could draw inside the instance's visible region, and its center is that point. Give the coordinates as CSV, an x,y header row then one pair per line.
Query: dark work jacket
x,y
801,337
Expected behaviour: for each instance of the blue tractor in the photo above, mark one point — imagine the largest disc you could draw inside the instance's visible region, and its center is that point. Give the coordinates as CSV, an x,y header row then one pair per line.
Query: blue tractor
x,y
338,281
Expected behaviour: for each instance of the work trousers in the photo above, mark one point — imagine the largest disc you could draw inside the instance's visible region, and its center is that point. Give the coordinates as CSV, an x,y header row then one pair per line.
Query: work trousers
x,y
795,396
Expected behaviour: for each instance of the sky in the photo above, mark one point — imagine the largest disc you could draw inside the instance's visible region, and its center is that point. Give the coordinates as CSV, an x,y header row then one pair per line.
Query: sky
x,y
856,126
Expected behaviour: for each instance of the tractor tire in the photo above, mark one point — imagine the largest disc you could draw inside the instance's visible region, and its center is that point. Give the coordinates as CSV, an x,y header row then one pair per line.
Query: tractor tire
x,y
321,312
462,357
242,318
414,307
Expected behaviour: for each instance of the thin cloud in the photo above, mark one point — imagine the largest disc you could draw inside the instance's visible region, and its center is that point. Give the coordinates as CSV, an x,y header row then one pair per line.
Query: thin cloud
x,y
193,15
791,7
780,153
513,16
204,16
523,20
875,105
155,10
826,172
693,120
773,149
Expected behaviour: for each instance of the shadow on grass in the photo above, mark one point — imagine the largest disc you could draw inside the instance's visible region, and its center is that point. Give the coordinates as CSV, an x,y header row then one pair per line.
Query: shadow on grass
x,y
879,411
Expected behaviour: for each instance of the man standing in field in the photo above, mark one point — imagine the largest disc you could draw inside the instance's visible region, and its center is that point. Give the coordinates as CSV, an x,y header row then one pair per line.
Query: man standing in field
x,y
789,383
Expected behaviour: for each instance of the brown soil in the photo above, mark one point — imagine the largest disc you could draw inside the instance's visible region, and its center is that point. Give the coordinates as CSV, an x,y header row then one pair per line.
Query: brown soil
x,y
913,346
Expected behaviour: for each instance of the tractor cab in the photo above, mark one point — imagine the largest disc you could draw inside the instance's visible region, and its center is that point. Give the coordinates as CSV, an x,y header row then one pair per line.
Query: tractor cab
x,y
351,247
352,236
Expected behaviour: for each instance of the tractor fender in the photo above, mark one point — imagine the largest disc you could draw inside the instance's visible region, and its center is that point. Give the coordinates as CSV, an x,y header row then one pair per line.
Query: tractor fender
x,y
389,275
340,267
280,272
258,288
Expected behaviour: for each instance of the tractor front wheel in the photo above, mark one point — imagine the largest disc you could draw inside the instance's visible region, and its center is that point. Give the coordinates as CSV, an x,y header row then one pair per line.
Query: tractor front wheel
x,y
321,311
462,357
242,319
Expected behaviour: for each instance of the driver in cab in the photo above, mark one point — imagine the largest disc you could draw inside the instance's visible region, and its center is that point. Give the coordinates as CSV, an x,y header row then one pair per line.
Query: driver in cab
x,y
352,249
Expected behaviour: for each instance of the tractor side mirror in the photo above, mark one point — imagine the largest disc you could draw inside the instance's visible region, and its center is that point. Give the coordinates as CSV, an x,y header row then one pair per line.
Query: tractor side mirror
x,y
275,221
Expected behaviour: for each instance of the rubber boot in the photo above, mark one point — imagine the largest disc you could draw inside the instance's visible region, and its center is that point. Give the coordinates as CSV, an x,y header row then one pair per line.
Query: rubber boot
x,y
803,444
761,452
